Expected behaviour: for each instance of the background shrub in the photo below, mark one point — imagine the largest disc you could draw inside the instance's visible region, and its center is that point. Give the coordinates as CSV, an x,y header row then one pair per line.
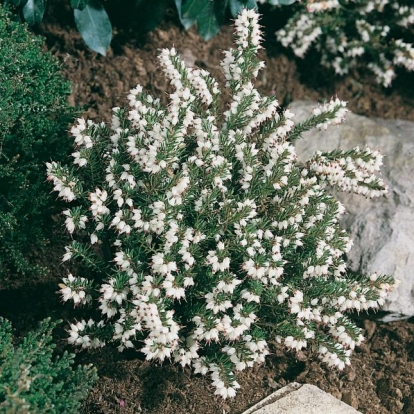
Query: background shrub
x,y
34,117
376,34
32,381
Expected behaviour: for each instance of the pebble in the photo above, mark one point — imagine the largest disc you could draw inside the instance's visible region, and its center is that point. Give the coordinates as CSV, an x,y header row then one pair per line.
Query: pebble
x,y
350,398
350,375
370,327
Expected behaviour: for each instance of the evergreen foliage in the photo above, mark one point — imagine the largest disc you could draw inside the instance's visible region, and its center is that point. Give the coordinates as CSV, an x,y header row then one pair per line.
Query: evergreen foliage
x,y
34,117
32,380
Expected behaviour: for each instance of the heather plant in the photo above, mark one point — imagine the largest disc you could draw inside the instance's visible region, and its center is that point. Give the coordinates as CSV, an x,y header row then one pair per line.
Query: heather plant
x,y
34,118
372,33
203,234
32,380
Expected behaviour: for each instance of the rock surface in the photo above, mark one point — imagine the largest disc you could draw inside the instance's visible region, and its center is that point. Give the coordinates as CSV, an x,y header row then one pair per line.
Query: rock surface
x,y
382,229
301,399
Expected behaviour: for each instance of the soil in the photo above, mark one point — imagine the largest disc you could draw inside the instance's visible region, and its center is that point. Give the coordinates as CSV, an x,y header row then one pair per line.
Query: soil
x,y
380,380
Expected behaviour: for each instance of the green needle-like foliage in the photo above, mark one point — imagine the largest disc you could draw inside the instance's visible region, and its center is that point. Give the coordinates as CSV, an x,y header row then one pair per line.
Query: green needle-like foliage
x,y
34,117
32,380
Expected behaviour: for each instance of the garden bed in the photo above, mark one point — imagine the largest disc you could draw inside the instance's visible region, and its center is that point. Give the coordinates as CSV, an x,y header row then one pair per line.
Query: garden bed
x,y
380,379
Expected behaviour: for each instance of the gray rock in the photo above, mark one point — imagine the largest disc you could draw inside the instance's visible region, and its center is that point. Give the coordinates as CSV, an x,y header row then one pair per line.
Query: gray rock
x,y
301,399
382,229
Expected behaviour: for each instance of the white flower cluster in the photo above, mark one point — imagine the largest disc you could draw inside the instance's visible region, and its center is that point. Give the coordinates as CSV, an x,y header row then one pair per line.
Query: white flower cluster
x,y
64,185
351,171
79,336
343,31
317,6
300,34
338,110
74,289
208,236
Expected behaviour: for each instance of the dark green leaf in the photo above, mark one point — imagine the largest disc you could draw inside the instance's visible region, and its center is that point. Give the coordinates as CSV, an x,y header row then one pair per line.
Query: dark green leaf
x,y
149,14
190,9
207,21
220,7
78,4
206,13
33,11
94,26
236,6
187,22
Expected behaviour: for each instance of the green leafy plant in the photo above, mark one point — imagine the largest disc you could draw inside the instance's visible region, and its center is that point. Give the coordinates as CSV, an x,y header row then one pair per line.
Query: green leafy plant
x,y
34,118
370,33
32,380
209,15
90,16
203,234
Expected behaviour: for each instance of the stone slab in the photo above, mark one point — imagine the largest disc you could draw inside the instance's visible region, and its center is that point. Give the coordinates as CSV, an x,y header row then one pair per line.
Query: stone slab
x,y
301,399
382,229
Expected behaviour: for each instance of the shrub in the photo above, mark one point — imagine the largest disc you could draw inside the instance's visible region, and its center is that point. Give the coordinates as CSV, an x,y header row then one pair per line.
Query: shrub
x,y
33,381
34,117
354,33
203,234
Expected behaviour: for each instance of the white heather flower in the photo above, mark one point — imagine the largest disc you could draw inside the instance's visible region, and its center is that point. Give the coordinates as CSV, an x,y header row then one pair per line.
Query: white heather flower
x,y
62,183
319,6
98,199
70,221
79,133
74,289
68,255
282,295
70,224
78,159
336,107
293,343
215,304
295,301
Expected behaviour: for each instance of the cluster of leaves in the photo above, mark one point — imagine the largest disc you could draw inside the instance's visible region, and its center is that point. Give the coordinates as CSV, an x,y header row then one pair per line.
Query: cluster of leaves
x,y
210,15
34,118
204,236
32,380
349,33
94,24
90,17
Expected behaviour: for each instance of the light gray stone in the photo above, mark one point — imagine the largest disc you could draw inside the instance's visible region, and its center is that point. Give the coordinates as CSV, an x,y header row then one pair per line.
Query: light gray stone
x,y
301,399
382,229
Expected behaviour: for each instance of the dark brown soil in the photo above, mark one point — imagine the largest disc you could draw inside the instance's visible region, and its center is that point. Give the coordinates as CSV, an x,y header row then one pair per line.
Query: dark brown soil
x,y
381,380
102,83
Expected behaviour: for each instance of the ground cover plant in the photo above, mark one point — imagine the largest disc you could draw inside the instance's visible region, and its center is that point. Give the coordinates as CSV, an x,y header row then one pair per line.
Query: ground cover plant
x,y
346,34
34,118
203,235
33,380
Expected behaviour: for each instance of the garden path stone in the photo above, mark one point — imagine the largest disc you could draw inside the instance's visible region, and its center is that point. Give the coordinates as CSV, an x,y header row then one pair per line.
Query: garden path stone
x,y
382,229
301,399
